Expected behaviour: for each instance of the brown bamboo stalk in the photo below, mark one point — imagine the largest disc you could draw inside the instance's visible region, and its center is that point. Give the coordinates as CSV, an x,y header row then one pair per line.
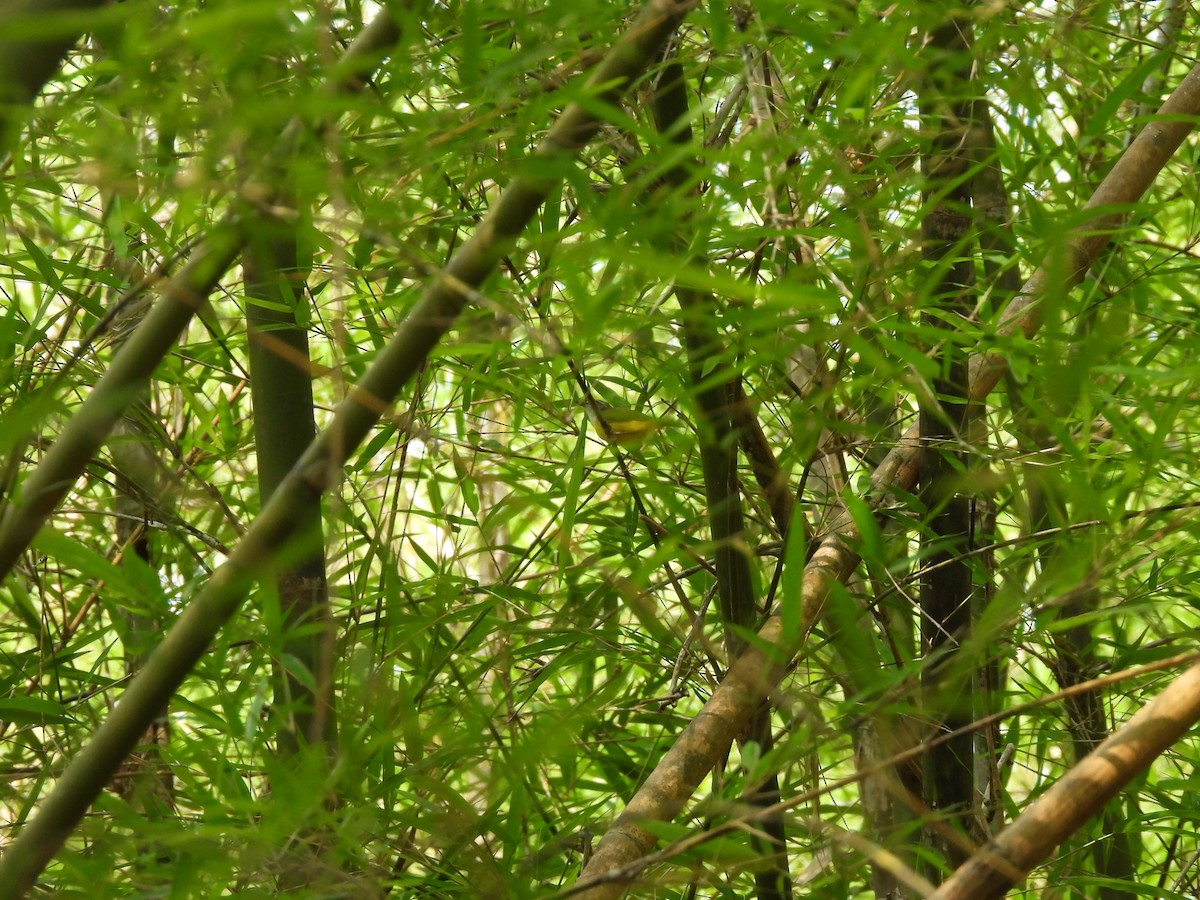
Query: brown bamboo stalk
x,y
1080,794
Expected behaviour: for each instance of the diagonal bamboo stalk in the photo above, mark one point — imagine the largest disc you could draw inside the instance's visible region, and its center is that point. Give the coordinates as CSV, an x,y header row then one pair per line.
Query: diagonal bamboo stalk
x,y
180,298
433,315
705,740
1080,794
123,382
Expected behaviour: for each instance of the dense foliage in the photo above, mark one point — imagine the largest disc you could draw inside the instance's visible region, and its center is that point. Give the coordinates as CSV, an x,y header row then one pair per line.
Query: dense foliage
x,y
780,249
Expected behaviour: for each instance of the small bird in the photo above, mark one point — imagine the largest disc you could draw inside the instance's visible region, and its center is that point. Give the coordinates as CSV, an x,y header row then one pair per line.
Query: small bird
x,y
621,426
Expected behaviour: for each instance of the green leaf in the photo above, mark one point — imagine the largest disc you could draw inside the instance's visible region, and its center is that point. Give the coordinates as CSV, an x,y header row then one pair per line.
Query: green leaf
x,y
32,711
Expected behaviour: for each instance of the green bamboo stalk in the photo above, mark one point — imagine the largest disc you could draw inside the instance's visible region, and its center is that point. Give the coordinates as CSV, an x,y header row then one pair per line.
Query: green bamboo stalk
x,y
123,382
284,424
430,319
